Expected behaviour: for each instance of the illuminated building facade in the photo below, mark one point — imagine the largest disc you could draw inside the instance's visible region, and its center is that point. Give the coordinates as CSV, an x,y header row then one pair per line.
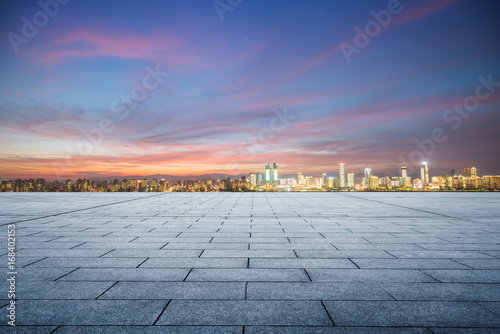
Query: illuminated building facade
x,y
342,174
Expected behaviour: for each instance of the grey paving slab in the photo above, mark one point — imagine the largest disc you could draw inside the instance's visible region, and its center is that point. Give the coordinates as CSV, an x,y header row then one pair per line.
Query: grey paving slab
x,y
281,275
41,274
176,290
443,291
414,313
437,330
121,245
250,253
65,253
128,253
203,262
316,291
368,275
61,290
27,329
205,245
301,263
387,247
89,312
248,312
379,262
151,329
85,262
343,254
337,329
465,276
126,274
440,254
492,306
270,246
409,264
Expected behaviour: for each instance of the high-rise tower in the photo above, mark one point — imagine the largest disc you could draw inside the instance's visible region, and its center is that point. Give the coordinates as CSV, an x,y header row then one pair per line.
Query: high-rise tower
x,y
268,173
350,180
259,178
404,173
275,173
368,172
342,174
424,173
300,179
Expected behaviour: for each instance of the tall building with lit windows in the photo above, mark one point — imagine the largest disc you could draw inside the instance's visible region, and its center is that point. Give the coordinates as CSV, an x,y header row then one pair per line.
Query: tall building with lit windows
x,y
368,172
350,180
253,180
275,173
300,179
259,178
268,174
404,172
424,173
342,174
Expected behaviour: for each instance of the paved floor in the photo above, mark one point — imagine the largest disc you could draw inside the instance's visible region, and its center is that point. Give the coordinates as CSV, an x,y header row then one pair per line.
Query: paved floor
x,y
254,262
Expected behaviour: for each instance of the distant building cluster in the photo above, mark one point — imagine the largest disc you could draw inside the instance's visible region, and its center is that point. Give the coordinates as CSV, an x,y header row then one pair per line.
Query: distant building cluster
x,y
125,185
345,181
269,180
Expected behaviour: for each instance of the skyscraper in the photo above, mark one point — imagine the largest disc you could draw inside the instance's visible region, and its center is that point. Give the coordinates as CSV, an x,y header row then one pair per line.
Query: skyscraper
x,y
424,173
473,172
300,179
268,173
275,173
368,172
350,180
467,172
253,180
259,178
342,174
404,172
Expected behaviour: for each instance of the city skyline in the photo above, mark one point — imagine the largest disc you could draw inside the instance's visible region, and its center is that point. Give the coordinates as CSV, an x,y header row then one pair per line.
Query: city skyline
x,y
270,172
92,89
268,180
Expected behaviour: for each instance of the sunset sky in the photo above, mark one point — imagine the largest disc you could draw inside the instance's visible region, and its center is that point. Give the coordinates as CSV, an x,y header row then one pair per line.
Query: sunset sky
x,y
249,83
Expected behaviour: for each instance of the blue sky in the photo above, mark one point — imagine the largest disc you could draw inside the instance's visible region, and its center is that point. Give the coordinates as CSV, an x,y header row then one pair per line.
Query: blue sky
x,y
269,82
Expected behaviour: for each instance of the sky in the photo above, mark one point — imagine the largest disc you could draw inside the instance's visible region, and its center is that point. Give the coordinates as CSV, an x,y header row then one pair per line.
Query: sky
x,y
96,88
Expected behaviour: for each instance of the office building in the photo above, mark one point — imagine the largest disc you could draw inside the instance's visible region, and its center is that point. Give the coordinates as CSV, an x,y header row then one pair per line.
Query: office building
x,y
373,182
404,172
259,178
424,173
268,173
300,179
342,174
368,172
350,180
275,173
253,180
